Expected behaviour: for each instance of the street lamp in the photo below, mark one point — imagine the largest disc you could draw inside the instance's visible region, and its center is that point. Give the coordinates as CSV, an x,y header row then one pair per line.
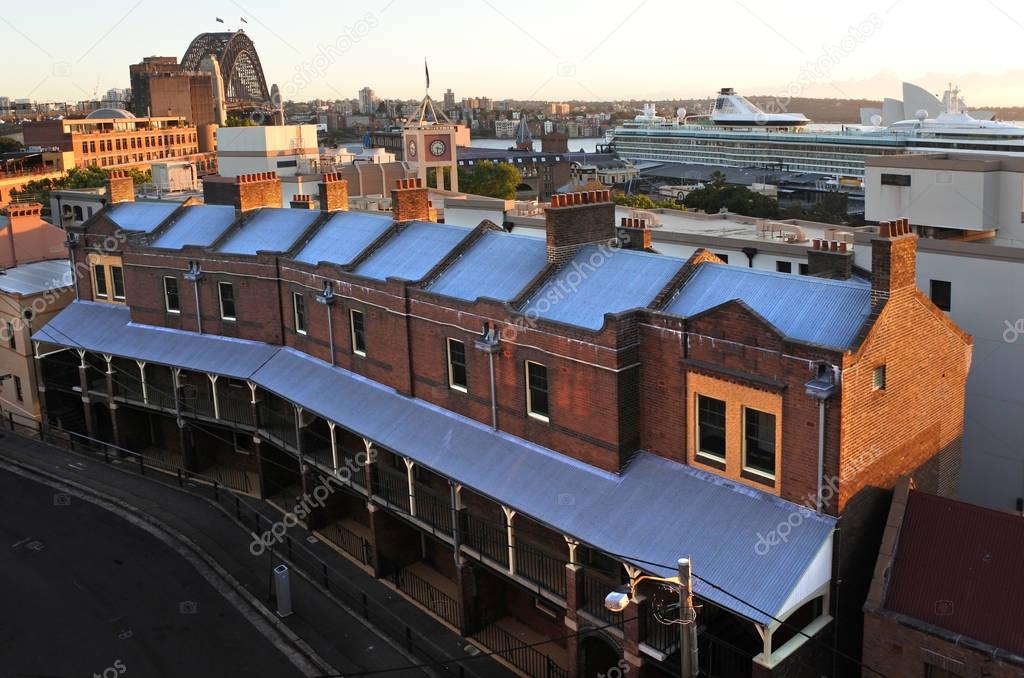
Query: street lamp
x,y
70,243
619,599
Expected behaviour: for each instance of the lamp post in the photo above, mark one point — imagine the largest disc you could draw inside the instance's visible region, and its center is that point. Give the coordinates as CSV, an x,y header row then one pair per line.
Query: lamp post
x,y
489,344
195,273
70,243
327,298
619,599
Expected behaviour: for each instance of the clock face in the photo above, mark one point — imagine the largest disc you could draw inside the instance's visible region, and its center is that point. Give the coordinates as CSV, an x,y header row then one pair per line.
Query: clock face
x,y
412,148
438,147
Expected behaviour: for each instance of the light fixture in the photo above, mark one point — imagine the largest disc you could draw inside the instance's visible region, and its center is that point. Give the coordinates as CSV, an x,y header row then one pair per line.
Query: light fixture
x,y
327,297
194,272
618,600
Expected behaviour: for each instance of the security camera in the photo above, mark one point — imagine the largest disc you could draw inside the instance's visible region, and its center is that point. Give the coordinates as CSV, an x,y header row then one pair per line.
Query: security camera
x,y
617,600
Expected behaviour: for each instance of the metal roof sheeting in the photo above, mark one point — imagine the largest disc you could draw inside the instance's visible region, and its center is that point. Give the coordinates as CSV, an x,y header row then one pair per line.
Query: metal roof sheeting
x,y
815,310
601,280
497,266
141,216
343,237
106,328
26,279
271,229
656,511
198,225
411,253
958,567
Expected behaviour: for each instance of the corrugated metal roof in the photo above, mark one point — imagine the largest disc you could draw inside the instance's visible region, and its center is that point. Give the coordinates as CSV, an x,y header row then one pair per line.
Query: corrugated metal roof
x,y
106,328
198,225
657,510
602,280
344,237
815,310
271,229
37,277
497,266
958,567
141,216
412,253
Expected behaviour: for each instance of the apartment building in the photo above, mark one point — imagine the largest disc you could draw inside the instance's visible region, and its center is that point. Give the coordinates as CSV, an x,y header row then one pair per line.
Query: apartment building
x,y
540,421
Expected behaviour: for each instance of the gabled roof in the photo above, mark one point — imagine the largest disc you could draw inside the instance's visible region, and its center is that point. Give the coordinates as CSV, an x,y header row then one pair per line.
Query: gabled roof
x,y
600,280
497,266
141,216
197,225
343,237
813,310
270,229
655,511
411,253
958,567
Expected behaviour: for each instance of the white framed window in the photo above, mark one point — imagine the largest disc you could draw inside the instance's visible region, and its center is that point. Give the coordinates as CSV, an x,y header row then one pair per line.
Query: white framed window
x,y
537,405
172,301
358,331
759,442
299,308
878,378
457,374
99,281
226,294
711,425
117,282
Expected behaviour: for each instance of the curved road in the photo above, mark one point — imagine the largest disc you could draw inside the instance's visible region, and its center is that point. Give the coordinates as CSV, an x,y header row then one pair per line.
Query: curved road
x,y
84,593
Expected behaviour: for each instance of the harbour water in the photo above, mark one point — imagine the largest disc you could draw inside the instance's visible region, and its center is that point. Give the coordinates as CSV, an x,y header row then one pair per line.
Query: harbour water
x,y
587,145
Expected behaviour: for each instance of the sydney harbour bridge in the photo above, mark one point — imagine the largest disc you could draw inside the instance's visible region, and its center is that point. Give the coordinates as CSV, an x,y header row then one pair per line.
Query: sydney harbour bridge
x,y
245,87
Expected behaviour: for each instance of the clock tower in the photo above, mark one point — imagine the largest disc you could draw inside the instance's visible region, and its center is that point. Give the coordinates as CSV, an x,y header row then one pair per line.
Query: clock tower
x,y
428,140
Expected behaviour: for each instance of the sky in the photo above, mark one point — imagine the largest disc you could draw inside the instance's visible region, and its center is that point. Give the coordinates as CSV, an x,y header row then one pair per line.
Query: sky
x,y
527,49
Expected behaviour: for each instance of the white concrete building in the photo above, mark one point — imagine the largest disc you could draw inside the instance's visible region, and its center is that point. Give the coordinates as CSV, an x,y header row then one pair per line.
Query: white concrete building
x,y
285,149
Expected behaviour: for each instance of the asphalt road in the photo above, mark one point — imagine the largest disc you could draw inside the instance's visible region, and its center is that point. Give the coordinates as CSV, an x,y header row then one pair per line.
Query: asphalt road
x,y
84,593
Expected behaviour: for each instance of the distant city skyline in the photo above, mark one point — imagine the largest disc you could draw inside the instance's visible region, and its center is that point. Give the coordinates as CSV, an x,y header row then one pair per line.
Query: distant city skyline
x,y
532,50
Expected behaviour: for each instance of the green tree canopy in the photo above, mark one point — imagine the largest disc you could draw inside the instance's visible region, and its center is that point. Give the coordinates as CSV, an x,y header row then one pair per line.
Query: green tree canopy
x,y
495,180
77,177
7,145
716,194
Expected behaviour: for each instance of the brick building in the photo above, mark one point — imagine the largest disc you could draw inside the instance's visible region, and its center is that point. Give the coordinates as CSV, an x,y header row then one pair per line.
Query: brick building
x,y
545,420
946,596
109,138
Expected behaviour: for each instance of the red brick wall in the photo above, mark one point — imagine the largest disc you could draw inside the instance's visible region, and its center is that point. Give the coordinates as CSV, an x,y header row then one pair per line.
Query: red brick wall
x,y
896,649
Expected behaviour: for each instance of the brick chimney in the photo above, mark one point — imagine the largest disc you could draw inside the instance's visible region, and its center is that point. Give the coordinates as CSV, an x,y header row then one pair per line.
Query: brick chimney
x,y
830,259
634,234
244,192
577,219
302,201
409,201
120,187
333,192
893,260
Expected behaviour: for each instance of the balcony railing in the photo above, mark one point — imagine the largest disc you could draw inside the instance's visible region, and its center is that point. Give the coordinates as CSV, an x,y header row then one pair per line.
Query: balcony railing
x,y
429,596
392,486
594,589
278,425
434,509
542,567
660,633
527,659
349,542
486,537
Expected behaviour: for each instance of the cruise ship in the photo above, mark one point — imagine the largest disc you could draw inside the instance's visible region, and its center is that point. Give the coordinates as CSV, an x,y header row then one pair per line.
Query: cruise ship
x,y
736,133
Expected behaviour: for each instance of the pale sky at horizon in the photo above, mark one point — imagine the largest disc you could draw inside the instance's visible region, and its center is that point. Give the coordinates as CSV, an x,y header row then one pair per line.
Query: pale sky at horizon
x,y
526,49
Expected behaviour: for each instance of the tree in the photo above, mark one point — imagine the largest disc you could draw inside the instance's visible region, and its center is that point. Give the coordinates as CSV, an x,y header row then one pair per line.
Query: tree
x,y
77,177
494,180
737,199
236,121
8,145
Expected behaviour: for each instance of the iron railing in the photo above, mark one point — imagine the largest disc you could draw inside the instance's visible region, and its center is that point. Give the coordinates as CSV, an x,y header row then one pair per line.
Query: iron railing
x,y
349,542
486,538
526,658
594,589
429,596
540,566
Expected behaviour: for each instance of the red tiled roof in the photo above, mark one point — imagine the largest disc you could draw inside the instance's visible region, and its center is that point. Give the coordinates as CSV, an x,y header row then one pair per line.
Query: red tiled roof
x,y
958,566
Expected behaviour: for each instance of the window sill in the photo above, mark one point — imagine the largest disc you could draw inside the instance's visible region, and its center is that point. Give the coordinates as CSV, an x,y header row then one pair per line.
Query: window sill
x,y
361,354
758,476
228,318
539,417
302,332
170,311
460,389
714,462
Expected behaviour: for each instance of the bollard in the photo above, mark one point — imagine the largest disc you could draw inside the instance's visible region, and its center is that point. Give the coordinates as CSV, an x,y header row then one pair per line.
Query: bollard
x,y
283,590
